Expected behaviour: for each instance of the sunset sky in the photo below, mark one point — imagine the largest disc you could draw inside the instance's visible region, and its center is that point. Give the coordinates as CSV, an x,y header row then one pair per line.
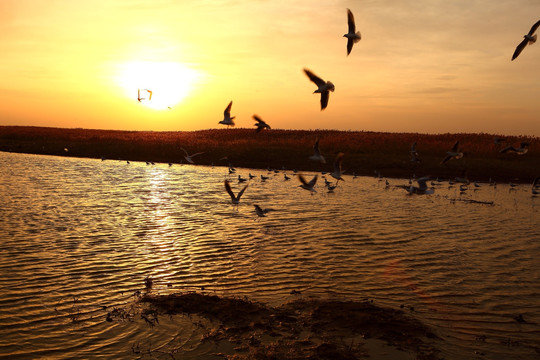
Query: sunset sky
x,y
424,66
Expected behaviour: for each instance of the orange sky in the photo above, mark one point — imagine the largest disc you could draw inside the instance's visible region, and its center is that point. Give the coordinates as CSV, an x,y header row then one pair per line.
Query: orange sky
x,y
427,66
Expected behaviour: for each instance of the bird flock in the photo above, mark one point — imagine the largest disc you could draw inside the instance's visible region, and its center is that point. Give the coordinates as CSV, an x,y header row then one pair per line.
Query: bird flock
x,y
324,88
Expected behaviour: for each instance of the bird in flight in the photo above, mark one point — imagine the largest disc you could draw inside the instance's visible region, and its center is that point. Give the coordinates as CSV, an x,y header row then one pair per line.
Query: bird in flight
x,y
139,98
352,36
227,119
308,185
317,153
234,198
521,150
324,87
189,158
453,154
421,189
260,124
528,39
260,211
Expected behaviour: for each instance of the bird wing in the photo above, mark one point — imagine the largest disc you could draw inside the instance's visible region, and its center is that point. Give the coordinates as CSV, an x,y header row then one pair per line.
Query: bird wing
x,y
422,182
324,99
316,148
533,28
520,48
227,111
350,21
317,80
313,181
138,93
229,190
302,180
185,152
242,192
446,159
350,44
149,96
258,119
413,148
455,147
337,163
507,149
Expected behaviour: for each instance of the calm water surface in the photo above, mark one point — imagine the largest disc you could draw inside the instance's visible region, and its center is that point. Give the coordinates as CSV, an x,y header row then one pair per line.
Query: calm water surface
x,y
79,236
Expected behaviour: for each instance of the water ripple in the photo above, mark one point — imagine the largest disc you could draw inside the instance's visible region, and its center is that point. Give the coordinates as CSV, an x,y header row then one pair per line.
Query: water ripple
x,y
80,236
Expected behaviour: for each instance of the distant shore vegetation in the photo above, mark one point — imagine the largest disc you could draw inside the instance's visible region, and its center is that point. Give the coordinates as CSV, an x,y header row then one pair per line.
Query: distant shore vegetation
x,y
366,153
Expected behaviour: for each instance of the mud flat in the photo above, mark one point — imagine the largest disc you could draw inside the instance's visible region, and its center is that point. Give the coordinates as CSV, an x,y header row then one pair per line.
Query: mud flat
x,y
304,328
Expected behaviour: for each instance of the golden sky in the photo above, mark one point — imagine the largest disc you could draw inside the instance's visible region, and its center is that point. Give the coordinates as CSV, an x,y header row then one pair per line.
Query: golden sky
x,y
428,66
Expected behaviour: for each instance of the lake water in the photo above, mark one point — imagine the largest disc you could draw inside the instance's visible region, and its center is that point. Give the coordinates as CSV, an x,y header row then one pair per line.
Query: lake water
x,y
79,236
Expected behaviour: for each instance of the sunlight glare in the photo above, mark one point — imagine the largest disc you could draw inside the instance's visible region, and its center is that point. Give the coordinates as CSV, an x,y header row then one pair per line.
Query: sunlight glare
x,y
170,82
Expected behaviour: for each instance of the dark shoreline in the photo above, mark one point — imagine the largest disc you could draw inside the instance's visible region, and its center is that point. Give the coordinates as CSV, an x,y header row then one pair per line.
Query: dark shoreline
x,y
302,328
365,152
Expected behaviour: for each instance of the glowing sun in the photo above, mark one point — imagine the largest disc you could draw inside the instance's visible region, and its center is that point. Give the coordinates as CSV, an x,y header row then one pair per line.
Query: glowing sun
x,y
169,82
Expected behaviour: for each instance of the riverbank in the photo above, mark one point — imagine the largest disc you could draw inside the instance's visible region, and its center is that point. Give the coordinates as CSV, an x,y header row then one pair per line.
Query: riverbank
x,y
366,153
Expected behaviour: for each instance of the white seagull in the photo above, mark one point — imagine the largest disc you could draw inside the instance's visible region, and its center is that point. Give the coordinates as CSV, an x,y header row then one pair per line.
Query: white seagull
x,y
336,174
308,185
352,36
227,119
528,39
453,154
189,157
317,153
260,124
324,87
521,150
421,189
235,199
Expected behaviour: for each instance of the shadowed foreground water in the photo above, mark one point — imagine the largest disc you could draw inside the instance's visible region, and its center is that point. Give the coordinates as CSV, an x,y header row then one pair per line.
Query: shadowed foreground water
x,y
79,236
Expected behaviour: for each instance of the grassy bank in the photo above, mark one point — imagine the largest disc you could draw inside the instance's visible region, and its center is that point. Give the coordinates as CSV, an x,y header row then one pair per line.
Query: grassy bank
x,y
365,152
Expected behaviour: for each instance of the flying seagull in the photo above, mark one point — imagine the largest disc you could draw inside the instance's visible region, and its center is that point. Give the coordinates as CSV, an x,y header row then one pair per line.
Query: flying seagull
x,y
324,87
317,153
227,119
421,189
189,158
308,185
260,124
139,98
453,154
528,39
234,198
260,212
352,36
521,150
